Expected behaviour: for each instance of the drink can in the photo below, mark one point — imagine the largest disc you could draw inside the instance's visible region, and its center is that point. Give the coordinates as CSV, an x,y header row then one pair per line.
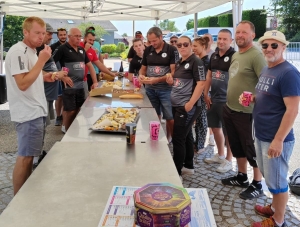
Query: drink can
x,y
154,127
246,98
130,132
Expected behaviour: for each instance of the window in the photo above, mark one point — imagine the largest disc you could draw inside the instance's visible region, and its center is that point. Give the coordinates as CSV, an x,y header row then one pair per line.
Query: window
x,y
70,21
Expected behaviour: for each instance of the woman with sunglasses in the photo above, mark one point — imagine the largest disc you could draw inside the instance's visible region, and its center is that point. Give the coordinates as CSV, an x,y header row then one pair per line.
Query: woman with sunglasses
x,y
200,47
188,84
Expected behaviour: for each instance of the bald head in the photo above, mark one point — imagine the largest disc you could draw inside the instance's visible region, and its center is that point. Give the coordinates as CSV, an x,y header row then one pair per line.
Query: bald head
x,y
74,37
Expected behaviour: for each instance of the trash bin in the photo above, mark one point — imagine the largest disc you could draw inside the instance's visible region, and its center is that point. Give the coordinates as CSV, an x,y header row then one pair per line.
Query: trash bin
x,y
3,91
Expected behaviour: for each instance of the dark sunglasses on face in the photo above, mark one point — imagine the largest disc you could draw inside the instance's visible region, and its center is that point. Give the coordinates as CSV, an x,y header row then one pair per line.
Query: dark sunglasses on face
x,y
173,41
61,29
179,45
266,45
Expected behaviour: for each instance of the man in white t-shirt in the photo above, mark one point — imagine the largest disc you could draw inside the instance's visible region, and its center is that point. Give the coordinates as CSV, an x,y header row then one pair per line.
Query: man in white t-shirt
x,y
26,96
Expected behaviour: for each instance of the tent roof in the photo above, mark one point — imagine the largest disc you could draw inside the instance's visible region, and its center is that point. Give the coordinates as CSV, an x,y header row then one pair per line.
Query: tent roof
x,y
108,9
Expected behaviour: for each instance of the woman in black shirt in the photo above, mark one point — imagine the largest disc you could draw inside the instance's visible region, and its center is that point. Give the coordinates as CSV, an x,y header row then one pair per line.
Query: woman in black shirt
x,y
200,46
136,62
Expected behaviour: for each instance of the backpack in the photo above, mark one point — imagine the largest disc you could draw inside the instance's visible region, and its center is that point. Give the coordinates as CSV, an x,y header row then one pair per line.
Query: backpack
x,y
294,182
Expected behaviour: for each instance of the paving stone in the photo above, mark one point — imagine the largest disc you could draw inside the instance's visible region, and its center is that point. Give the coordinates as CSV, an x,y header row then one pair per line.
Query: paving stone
x,y
231,221
227,214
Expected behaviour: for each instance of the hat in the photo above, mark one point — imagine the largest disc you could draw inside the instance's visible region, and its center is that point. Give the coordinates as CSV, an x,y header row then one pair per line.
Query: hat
x,y
274,34
138,33
49,28
90,28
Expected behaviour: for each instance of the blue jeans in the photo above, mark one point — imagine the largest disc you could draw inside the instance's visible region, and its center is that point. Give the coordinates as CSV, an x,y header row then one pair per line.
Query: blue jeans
x,y
161,101
274,170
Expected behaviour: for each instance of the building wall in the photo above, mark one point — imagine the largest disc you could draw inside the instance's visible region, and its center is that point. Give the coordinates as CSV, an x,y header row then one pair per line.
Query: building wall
x,y
108,38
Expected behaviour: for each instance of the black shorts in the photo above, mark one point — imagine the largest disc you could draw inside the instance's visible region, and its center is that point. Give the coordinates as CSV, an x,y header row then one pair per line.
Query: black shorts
x,y
215,116
73,98
239,128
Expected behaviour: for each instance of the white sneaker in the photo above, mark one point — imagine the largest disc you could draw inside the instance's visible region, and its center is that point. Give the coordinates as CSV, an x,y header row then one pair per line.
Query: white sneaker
x,y
186,171
163,121
214,159
63,129
211,140
225,167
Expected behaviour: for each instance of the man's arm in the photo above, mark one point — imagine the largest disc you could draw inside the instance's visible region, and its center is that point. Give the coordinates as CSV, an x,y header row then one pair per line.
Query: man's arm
x,y
103,68
292,106
93,74
25,80
100,58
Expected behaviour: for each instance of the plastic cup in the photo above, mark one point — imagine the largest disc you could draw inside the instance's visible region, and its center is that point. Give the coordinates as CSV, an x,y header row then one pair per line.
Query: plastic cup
x,y
246,98
65,69
130,132
154,127
136,82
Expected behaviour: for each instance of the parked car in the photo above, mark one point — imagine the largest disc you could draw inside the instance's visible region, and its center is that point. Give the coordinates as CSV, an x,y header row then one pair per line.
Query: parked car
x,y
168,36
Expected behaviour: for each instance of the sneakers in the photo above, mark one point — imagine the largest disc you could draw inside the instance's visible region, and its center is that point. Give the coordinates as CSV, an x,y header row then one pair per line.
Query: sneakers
x,y
251,193
211,140
58,121
63,129
214,159
199,151
163,121
233,181
225,166
186,171
265,211
41,157
269,222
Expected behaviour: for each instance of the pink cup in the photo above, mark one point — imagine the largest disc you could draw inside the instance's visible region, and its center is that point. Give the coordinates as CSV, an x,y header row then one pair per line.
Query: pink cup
x,y
65,69
154,127
136,82
246,98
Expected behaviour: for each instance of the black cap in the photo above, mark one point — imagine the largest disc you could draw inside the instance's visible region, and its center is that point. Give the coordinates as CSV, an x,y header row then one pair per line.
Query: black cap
x,y
138,33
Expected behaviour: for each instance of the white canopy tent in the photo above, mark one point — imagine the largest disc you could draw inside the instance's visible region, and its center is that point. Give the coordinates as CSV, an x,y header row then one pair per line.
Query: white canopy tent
x,y
112,10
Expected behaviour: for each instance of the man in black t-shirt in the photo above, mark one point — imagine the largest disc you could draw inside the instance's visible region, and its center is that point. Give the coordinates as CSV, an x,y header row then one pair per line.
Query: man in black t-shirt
x,y
217,78
74,57
132,52
158,61
136,62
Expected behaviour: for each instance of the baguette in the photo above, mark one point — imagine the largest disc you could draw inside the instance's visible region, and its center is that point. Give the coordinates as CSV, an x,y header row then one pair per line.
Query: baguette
x,y
131,96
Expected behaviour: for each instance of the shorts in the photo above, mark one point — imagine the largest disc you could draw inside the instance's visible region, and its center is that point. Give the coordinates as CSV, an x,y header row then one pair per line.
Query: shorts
x,y
240,134
161,102
59,88
215,116
73,99
30,137
50,115
274,170
86,90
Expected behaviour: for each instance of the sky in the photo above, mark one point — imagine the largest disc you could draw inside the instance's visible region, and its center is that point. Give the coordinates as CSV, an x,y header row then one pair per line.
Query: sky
x,y
180,22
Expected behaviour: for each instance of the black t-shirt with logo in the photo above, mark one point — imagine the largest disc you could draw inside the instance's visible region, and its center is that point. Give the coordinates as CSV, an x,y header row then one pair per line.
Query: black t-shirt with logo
x,y
158,64
219,67
187,74
135,64
51,88
74,60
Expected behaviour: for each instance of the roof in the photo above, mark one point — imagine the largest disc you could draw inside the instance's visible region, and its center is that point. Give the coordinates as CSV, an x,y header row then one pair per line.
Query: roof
x,y
117,36
108,9
63,23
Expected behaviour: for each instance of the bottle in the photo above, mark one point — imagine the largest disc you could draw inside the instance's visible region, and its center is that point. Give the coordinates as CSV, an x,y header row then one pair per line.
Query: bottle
x,y
121,67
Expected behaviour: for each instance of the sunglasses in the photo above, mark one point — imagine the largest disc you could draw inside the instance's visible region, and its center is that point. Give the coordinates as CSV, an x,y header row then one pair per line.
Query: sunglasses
x,y
266,45
173,41
61,29
179,45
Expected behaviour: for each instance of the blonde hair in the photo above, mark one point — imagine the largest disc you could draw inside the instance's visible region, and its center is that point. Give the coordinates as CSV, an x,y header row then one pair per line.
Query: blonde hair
x,y
27,23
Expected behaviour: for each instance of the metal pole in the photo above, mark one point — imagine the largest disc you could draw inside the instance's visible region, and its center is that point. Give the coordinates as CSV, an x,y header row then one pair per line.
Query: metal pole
x,y
234,21
133,28
1,48
195,25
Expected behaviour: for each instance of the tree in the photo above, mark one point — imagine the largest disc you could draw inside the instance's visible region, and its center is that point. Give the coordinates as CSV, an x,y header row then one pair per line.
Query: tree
x,y
99,31
168,25
289,13
13,31
190,24
125,35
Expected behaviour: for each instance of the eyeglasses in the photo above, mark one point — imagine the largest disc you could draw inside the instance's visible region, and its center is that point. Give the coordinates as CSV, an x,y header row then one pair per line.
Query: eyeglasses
x,y
77,36
179,45
266,45
173,41
61,29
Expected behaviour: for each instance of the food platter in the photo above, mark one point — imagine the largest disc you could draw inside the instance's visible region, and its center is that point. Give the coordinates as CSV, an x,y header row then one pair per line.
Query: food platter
x,y
114,119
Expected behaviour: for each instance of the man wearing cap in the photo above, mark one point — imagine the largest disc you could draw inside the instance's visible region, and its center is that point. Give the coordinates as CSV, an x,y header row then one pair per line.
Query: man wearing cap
x,y
131,52
275,110
173,40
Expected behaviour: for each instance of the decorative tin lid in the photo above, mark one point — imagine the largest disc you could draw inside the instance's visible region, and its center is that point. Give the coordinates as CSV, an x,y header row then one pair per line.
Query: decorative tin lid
x,y
161,198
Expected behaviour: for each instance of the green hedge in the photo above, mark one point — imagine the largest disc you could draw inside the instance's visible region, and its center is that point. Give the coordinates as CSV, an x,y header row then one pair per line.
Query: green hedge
x,y
121,47
208,22
259,18
109,48
225,20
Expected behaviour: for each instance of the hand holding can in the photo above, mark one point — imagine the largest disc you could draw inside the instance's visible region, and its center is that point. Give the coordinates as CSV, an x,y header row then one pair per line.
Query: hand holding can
x,y
246,98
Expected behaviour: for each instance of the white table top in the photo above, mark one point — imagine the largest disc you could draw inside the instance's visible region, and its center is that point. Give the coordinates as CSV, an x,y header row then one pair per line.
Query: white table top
x,y
71,186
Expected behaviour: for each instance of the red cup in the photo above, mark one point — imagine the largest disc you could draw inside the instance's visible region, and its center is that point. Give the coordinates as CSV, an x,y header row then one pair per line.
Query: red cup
x,y
65,69
246,98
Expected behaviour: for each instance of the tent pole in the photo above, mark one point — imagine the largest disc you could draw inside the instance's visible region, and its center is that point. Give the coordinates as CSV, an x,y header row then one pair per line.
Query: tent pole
x,y
133,28
195,24
234,21
1,48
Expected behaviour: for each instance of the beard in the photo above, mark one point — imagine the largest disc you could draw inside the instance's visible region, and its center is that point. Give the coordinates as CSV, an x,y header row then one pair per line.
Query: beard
x,y
242,43
273,58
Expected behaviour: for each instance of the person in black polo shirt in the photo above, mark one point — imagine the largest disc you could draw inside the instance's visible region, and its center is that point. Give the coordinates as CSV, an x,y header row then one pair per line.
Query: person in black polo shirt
x,y
136,62
158,61
72,56
217,79
188,84
132,52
